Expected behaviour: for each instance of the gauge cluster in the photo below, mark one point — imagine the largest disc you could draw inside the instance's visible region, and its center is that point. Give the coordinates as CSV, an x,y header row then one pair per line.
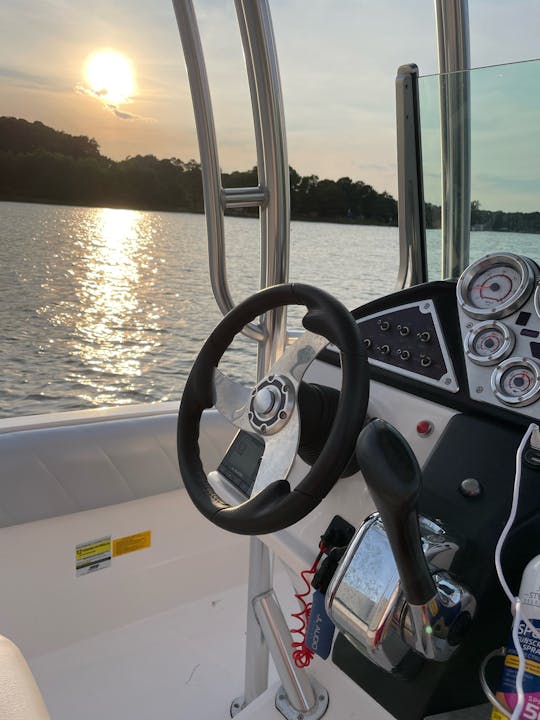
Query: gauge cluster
x,y
499,311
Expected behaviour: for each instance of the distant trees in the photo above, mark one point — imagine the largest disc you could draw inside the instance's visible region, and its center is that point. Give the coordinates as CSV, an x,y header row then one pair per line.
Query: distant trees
x,y
497,221
41,164
21,136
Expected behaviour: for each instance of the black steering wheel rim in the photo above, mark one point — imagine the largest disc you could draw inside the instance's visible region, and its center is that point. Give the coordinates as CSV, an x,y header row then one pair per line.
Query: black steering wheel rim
x,y
276,506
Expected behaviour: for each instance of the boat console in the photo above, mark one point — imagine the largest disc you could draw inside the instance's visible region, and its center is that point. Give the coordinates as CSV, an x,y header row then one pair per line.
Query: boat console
x,y
415,597
485,372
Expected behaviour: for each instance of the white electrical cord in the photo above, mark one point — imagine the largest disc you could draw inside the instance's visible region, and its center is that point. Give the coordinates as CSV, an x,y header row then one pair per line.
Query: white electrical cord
x,y
515,602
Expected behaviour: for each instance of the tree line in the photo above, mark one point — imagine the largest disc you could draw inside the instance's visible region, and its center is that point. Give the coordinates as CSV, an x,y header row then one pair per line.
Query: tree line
x,y
494,220
40,164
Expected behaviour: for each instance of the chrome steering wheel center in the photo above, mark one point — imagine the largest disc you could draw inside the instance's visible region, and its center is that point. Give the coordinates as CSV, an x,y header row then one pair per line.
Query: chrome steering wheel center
x,y
265,400
271,404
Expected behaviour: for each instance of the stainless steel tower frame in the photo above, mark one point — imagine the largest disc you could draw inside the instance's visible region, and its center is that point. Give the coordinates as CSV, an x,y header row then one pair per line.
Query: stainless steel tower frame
x,y
266,627
454,58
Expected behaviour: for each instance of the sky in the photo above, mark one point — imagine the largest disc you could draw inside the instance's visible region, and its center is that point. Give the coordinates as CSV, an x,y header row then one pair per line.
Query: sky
x,y
338,61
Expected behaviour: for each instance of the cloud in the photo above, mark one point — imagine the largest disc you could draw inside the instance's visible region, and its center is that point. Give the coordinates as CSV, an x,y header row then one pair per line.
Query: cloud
x,y
100,95
122,115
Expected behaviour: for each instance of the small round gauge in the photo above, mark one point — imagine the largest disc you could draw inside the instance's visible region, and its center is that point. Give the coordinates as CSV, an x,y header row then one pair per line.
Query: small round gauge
x,y
516,381
489,342
495,286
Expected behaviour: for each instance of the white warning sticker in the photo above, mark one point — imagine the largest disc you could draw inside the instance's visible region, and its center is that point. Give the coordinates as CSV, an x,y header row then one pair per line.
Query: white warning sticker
x,y
93,555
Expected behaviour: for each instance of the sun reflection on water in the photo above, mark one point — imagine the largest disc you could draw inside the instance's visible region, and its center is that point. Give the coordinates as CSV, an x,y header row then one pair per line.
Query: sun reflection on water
x,y
114,275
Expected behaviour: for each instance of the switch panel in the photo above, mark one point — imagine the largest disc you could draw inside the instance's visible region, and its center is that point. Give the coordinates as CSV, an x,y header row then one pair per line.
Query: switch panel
x,y
409,341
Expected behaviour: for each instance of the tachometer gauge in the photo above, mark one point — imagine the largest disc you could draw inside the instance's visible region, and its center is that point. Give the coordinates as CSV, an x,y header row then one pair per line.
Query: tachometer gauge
x,y
495,286
516,381
489,342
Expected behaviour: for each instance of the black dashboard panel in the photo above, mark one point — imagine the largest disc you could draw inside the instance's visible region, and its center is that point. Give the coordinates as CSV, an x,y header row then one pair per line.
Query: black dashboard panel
x,y
409,339
442,294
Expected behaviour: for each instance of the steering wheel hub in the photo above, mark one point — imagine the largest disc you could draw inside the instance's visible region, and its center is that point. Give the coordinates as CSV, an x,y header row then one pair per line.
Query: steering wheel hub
x,y
271,405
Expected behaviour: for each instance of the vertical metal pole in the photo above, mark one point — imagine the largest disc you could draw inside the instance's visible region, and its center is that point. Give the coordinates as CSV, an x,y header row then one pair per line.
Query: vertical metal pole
x,y
454,59
273,174
272,160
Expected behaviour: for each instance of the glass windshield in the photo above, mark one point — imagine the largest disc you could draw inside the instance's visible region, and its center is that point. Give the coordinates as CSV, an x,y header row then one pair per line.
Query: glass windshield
x,y
505,160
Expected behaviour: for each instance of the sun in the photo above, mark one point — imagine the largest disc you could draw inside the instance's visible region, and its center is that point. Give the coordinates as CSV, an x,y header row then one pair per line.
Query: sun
x,y
110,76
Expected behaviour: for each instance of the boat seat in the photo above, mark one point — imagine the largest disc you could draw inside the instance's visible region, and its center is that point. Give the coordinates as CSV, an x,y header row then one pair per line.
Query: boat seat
x,y
20,698
66,463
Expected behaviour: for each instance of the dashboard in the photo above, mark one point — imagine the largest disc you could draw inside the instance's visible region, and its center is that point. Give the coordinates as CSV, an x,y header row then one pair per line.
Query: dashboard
x,y
470,344
469,348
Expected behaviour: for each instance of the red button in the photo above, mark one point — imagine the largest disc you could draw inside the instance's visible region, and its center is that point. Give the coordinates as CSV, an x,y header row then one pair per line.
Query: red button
x,y
424,428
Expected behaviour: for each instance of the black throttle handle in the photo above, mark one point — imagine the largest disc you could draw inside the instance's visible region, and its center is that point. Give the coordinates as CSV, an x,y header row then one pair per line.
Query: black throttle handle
x,y
394,480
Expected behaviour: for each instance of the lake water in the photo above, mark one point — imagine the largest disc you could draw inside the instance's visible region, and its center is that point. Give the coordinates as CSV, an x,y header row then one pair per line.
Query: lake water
x,y
107,307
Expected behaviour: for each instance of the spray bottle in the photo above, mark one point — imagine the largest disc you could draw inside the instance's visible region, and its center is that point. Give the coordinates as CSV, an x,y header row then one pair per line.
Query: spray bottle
x,y
529,635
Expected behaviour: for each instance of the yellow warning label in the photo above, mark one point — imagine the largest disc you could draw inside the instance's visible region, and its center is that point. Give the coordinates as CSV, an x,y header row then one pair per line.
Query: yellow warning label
x,y
496,715
131,543
93,555
531,666
94,548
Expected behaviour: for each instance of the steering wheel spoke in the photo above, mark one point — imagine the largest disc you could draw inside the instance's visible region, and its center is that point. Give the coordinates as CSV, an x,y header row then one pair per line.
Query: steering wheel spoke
x,y
278,457
232,398
298,356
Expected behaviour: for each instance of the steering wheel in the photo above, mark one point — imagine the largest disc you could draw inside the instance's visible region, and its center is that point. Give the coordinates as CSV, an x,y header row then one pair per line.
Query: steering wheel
x,y
270,411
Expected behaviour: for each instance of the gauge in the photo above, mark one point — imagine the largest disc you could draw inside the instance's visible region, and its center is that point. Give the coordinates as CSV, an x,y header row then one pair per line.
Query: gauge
x,y
489,342
516,381
495,286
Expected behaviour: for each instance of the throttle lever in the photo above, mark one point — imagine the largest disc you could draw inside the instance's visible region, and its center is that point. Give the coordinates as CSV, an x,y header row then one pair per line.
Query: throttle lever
x,y
425,612
394,480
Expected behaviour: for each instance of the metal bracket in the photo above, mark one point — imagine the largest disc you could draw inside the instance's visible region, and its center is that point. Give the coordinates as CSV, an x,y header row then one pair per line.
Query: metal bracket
x,y
299,698
316,712
285,707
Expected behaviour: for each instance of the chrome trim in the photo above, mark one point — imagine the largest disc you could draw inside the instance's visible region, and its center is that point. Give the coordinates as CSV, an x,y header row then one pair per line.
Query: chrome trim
x,y
244,197
369,606
527,277
260,53
367,628
274,628
426,627
452,20
509,340
537,299
519,400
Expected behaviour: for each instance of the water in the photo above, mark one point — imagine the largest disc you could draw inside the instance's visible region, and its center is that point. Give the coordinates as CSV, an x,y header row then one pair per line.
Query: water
x,y
108,307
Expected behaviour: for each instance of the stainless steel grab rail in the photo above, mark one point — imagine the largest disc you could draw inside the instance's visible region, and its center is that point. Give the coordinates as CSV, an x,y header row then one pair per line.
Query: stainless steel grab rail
x,y
454,58
272,193
272,196
211,176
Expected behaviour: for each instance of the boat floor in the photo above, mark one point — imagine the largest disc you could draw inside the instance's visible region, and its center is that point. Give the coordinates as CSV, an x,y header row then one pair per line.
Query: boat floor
x,y
158,636
184,663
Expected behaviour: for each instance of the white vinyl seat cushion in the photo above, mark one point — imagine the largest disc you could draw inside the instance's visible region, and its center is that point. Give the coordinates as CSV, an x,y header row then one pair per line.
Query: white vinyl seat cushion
x,y
20,698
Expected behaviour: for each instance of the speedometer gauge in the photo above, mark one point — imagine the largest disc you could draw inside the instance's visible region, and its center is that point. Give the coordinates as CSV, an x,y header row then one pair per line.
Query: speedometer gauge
x,y
487,343
495,286
516,381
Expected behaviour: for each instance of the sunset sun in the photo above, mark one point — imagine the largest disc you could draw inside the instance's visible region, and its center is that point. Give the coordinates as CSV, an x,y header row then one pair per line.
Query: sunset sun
x,y
109,75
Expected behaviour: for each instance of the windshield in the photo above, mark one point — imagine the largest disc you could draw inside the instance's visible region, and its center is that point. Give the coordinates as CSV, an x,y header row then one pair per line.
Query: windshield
x,y
505,160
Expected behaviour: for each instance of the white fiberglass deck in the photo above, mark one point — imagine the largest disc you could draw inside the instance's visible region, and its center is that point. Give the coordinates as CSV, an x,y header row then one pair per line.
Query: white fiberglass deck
x,y
159,634
183,663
